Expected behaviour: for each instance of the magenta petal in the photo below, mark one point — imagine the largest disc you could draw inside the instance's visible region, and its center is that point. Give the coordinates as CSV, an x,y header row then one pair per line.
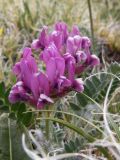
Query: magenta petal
x,y
43,100
71,71
55,68
49,52
16,69
62,27
78,42
68,57
94,60
18,93
32,65
51,70
81,56
86,43
70,45
74,44
27,52
39,84
43,83
46,98
70,66
42,41
25,73
35,88
60,64
63,83
78,85
75,31
44,38
28,68
57,38
35,44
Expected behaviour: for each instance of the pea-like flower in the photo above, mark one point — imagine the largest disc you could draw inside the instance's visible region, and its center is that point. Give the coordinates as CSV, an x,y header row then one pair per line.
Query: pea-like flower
x,y
65,56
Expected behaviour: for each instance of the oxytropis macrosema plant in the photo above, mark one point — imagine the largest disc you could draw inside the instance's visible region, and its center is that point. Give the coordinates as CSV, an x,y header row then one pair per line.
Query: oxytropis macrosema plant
x,y
65,55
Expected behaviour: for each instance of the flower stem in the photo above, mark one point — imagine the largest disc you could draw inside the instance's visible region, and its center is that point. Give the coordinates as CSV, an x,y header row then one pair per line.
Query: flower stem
x,y
10,142
91,21
47,123
107,7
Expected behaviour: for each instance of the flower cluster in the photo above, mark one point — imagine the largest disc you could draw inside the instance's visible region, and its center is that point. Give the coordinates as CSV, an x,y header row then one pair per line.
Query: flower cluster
x,y
65,55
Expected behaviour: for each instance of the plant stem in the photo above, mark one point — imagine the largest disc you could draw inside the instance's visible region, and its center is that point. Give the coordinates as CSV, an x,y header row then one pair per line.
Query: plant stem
x,y
91,21
47,123
107,7
9,131
10,142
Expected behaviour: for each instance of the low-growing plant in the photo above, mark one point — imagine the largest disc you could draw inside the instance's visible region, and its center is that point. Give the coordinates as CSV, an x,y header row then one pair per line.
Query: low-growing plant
x,y
56,104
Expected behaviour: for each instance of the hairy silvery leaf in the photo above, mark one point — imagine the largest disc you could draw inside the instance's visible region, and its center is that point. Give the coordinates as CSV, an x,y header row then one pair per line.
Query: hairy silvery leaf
x,y
39,153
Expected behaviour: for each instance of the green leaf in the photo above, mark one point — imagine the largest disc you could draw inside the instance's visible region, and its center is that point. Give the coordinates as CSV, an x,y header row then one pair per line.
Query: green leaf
x,y
6,96
68,149
27,118
91,86
95,87
81,100
75,107
15,107
2,89
96,81
115,68
115,127
22,108
4,108
78,130
12,116
10,140
73,145
1,102
77,142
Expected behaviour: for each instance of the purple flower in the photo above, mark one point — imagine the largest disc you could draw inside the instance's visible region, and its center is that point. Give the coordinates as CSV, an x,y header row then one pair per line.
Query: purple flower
x,y
80,56
94,60
63,84
39,84
86,43
43,100
18,93
57,38
74,44
63,29
31,83
75,31
65,56
26,67
78,85
55,68
42,41
50,51
70,65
